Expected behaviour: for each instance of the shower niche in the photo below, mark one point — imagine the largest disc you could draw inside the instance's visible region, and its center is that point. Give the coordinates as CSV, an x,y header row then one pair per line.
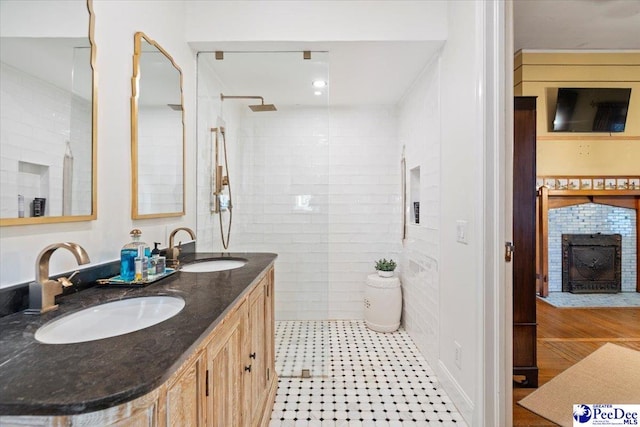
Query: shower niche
x,y
414,199
33,187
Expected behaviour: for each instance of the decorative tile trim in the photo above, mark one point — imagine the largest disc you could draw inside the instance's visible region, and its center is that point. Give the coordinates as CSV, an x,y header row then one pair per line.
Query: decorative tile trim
x,y
589,183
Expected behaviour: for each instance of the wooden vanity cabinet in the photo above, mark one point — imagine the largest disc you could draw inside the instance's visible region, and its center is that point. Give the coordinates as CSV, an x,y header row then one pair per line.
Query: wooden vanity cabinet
x,y
224,356
183,403
270,328
254,369
239,382
231,381
228,381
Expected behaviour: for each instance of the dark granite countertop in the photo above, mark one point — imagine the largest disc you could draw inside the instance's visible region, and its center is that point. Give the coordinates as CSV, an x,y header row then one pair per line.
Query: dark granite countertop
x,y
66,379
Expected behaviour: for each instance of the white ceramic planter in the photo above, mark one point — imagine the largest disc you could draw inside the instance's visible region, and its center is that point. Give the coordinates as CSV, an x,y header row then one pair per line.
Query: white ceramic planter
x,y
385,273
382,303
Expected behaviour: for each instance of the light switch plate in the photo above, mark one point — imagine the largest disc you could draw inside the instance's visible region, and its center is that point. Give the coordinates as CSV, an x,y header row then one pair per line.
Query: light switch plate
x,y
461,232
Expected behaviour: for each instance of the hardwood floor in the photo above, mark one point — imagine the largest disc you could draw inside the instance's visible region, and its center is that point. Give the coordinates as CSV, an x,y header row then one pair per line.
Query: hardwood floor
x,y
566,336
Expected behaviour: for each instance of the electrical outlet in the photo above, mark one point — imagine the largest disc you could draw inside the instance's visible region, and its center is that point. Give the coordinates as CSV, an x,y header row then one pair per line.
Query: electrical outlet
x,y
461,232
458,354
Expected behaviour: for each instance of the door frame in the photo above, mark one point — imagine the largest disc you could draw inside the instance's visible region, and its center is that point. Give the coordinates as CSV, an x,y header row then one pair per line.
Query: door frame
x,y
497,305
506,309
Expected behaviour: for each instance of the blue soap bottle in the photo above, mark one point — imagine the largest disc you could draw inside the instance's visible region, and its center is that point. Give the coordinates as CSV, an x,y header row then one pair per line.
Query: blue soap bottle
x,y
128,254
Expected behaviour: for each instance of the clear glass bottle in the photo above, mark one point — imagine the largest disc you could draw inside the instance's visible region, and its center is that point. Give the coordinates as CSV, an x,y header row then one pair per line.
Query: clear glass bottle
x,y
141,266
153,261
128,254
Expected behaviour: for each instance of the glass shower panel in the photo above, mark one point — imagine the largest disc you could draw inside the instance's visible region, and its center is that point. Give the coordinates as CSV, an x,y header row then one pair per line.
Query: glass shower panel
x,y
279,174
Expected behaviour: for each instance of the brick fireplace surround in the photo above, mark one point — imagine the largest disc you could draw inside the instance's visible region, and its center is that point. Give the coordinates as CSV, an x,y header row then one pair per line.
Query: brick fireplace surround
x,y
586,212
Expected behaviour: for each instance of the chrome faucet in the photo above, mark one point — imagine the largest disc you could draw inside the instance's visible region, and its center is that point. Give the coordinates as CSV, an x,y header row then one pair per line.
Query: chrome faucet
x,y
174,252
42,292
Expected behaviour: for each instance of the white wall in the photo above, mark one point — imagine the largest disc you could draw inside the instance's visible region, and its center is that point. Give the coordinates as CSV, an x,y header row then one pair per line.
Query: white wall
x,y
453,268
311,20
443,278
160,160
462,191
346,161
419,133
36,119
116,23
211,115
365,205
281,203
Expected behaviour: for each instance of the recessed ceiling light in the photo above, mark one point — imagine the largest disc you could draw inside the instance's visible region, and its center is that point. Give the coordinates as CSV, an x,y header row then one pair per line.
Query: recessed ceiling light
x,y
319,83
317,93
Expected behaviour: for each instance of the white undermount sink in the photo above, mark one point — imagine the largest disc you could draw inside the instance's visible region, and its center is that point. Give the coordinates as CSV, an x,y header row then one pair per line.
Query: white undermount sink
x,y
218,264
109,319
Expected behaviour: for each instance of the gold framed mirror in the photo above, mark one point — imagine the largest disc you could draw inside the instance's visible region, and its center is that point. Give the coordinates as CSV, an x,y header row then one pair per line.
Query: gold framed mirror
x,y
48,141
157,132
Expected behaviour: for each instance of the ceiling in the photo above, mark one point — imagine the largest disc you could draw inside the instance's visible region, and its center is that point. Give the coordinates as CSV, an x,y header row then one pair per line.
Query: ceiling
x,y
359,73
576,24
380,73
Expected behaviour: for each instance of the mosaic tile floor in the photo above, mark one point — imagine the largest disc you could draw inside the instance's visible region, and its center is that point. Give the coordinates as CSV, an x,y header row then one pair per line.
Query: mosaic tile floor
x,y
569,300
370,379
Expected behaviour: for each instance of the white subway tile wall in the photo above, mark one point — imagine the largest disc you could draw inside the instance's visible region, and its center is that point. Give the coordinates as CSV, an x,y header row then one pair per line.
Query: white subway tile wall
x,y
364,202
159,181
419,132
36,122
322,190
593,218
209,110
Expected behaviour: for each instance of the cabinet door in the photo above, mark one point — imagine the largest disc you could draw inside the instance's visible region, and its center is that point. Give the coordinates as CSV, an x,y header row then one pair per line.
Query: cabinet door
x,y
224,373
184,403
255,363
269,322
139,419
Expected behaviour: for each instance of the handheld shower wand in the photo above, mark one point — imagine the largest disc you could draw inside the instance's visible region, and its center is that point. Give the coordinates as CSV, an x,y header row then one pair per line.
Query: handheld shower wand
x,y
220,181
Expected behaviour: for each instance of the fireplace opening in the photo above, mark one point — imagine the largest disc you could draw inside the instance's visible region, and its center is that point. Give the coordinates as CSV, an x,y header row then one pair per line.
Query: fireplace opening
x,y
591,263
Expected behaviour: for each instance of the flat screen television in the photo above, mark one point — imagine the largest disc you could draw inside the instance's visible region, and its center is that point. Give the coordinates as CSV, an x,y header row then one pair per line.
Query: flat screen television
x,y
591,110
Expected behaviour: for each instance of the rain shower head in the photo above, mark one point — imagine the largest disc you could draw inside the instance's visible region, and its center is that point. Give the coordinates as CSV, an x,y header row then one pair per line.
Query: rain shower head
x,y
262,107
255,108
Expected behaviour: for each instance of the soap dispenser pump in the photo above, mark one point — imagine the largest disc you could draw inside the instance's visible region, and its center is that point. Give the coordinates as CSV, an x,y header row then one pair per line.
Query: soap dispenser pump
x,y
158,261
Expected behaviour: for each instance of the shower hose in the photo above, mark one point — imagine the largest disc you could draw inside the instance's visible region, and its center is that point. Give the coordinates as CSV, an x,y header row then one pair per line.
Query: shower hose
x,y
225,241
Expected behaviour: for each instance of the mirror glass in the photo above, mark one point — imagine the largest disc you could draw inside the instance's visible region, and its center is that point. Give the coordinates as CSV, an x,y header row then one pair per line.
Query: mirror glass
x,y
47,112
157,132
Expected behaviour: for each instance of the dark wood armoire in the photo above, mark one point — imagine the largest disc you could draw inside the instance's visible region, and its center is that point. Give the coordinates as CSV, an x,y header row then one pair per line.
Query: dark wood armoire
x,y
524,242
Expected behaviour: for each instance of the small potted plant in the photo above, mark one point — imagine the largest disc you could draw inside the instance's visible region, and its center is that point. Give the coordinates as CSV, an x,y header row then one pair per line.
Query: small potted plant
x,y
385,268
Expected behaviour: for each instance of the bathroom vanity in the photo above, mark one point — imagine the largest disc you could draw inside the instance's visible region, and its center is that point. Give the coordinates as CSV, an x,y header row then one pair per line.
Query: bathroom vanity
x,y
212,364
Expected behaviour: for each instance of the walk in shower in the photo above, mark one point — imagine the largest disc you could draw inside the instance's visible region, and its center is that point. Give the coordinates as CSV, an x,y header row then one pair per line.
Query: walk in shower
x,y
278,171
